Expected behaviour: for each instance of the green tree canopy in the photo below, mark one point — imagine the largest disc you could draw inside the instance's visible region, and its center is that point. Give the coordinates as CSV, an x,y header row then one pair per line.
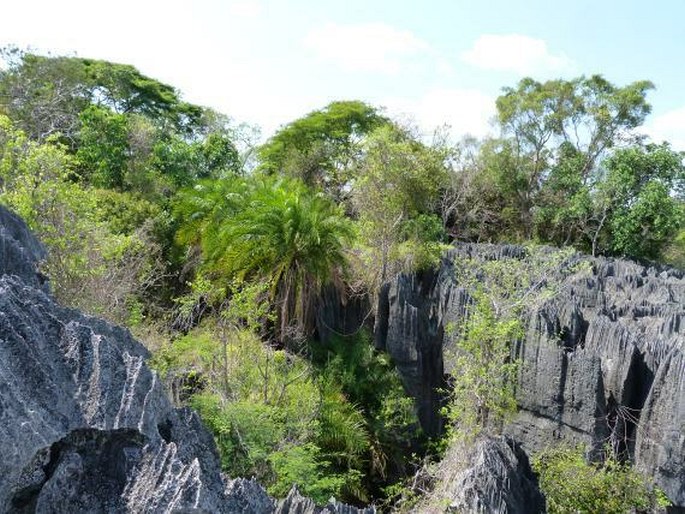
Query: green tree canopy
x,y
641,198
558,130
320,147
103,147
394,196
45,95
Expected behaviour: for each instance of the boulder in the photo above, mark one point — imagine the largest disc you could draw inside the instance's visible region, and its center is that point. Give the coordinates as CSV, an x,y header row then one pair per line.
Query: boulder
x,y
492,476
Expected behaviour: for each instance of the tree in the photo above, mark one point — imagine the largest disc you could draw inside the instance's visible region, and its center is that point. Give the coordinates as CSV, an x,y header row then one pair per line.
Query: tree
x,y
269,229
559,130
591,114
320,147
104,150
45,95
642,200
395,195
122,88
500,291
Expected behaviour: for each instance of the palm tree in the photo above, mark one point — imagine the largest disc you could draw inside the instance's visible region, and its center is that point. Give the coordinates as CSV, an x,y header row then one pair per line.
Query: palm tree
x,y
275,230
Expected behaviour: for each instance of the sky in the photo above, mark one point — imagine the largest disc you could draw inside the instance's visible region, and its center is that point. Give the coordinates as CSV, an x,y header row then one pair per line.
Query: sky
x,y
435,62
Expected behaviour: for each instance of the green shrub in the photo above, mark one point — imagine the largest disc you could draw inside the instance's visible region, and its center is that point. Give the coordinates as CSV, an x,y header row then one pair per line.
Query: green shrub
x,y
271,417
574,486
100,259
365,400
305,467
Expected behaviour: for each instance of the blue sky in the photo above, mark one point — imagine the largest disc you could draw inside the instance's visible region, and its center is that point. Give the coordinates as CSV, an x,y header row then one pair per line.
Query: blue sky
x,y
437,61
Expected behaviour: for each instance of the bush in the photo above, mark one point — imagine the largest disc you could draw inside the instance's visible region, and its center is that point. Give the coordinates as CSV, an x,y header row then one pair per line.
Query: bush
x,y
485,366
372,408
100,259
574,486
271,416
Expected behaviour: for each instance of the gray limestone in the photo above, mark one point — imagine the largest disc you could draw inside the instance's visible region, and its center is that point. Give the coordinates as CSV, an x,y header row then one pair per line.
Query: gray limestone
x,y
602,362
491,476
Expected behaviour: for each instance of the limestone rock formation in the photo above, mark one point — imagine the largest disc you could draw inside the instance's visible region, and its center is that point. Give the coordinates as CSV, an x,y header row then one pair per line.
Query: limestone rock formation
x,y
601,363
295,503
19,249
85,425
491,477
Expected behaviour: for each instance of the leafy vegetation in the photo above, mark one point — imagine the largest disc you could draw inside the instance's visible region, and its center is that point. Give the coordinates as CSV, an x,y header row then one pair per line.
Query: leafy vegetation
x,y
394,198
324,424
483,378
321,147
271,230
572,485
169,218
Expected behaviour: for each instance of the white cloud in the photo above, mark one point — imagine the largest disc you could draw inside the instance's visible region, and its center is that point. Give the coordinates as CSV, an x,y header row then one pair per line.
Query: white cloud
x,y
365,47
670,127
515,52
465,111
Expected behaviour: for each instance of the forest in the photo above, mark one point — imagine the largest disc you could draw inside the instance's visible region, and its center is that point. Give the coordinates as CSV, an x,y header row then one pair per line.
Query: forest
x,y
215,248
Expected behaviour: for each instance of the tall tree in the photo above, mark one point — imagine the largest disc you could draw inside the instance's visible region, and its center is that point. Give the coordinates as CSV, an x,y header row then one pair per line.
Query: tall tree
x,y
103,150
395,196
560,129
320,148
641,199
44,95
274,230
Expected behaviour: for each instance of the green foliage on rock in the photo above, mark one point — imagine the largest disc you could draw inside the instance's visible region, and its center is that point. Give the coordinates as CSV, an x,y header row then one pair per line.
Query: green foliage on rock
x,y
572,485
482,397
483,378
558,130
128,186
569,169
329,428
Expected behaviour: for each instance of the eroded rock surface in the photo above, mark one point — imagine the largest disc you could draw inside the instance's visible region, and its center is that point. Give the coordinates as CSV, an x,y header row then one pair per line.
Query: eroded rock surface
x,y
603,362
295,503
85,425
491,477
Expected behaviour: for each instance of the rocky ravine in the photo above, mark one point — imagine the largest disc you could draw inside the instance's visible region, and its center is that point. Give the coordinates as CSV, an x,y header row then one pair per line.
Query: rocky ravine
x,y
604,362
85,425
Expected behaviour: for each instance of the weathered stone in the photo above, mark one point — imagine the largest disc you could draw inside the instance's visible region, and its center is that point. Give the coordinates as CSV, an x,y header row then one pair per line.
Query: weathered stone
x,y
601,363
295,503
20,251
341,313
248,497
491,477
